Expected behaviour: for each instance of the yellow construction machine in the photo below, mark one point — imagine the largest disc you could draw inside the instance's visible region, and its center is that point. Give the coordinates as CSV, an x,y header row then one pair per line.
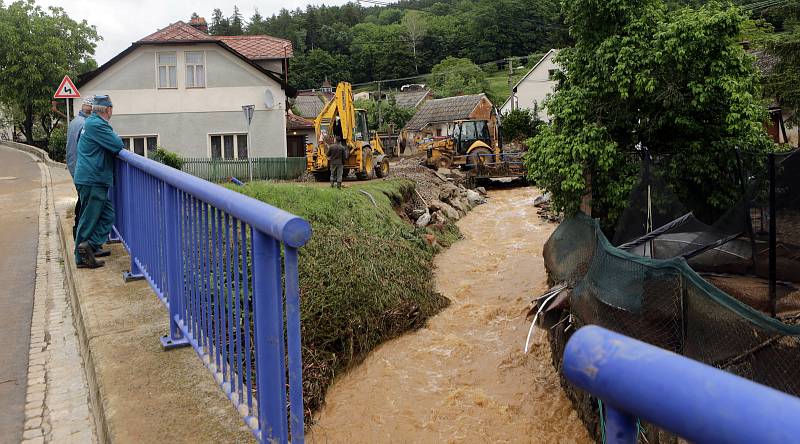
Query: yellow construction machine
x,y
468,143
341,119
474,145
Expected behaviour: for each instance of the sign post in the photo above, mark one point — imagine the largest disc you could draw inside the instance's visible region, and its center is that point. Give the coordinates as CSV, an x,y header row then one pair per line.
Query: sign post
x,y
248,111
66,90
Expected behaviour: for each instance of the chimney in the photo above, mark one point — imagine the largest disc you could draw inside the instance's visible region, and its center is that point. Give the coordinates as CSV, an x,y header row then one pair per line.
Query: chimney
x,y
199,24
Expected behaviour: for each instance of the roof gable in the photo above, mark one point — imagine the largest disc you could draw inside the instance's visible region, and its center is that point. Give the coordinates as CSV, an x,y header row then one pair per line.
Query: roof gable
x,y
549,54
310,103
444,110
410,99
177,32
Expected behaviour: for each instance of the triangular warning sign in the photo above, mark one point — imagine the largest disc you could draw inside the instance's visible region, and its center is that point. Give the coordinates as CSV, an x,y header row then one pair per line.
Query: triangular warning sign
x,y
67,90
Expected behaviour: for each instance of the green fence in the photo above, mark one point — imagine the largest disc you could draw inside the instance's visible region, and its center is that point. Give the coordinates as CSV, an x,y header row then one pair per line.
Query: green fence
x,y
264,168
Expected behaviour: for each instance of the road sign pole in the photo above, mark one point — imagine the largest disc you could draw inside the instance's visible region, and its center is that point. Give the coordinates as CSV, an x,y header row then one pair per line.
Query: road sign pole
x,y
67,100
249,156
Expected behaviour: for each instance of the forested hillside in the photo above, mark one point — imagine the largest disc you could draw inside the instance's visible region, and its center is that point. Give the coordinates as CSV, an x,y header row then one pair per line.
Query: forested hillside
x,y
361,44
377,40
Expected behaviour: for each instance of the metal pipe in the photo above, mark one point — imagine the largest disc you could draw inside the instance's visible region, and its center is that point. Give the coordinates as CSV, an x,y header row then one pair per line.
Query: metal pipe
x,y
690,399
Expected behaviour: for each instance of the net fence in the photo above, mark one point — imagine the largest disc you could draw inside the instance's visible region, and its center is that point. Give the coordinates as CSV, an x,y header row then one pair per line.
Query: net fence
x,y
700,290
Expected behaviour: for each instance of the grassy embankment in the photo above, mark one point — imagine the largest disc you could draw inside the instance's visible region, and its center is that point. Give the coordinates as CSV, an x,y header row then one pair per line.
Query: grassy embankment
x,y
366,275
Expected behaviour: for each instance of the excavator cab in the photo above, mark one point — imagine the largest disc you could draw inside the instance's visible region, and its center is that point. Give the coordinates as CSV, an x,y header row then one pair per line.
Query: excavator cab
x,y
362,127
467,132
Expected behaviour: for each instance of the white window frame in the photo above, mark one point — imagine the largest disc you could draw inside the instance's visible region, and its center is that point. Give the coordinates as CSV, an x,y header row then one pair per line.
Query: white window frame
x,y
186,68
235,145
141,136
158,70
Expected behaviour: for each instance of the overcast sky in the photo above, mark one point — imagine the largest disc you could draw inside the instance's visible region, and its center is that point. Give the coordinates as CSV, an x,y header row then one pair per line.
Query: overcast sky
x,y
121,22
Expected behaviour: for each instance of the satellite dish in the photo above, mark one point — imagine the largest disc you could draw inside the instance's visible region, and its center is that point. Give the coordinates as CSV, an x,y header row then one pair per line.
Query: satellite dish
x,y
269,99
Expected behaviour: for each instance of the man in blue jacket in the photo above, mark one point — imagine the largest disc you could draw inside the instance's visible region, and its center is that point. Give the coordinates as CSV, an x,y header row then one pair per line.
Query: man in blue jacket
x,y
94,175
73,135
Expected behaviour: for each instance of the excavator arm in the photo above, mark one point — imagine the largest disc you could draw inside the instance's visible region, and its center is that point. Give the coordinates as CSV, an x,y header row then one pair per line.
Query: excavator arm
x,y
342,106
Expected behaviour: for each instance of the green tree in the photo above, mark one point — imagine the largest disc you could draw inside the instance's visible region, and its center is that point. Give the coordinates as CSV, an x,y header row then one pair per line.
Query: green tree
x,y
380,52
674,81
37,48
415,27
236,22
390,114
455,76
520,124
309,70
781,81
220,25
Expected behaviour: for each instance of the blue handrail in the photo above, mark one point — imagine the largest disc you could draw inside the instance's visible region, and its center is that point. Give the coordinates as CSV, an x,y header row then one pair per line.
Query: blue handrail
x,y
687,398
226,267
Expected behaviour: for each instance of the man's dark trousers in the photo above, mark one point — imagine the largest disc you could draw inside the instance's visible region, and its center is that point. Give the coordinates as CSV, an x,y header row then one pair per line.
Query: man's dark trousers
x,y
77,217
96,219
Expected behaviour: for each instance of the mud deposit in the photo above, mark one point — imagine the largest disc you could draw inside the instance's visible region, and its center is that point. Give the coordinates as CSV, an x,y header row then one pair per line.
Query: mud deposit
x,y
464,378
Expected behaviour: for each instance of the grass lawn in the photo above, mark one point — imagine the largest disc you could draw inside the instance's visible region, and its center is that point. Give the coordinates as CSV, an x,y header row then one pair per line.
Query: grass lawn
x,y
366,275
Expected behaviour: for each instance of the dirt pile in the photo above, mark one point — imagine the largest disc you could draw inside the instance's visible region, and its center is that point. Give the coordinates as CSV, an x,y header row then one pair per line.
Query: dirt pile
x,y
440,196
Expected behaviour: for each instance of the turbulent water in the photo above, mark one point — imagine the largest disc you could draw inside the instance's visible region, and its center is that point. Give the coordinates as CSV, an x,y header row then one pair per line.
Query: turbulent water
x,y
464,377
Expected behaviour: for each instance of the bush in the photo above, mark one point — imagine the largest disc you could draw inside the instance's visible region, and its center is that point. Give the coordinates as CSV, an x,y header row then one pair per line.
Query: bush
x,y
57,145
168,158
520,124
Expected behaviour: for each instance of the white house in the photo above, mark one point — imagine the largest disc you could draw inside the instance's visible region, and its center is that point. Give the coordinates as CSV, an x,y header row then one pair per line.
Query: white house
x,y
182,89
534,87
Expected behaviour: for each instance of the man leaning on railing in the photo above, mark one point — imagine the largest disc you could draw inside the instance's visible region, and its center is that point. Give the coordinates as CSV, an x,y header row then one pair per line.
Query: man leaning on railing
x,y
94,175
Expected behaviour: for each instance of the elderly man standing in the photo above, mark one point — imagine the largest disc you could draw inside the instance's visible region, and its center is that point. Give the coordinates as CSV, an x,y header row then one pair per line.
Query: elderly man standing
x,y
73,134
94,175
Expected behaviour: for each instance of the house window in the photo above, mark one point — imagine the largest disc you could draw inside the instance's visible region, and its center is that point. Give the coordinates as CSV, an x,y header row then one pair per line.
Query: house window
x,y
167,70
141,145
195,70
228,146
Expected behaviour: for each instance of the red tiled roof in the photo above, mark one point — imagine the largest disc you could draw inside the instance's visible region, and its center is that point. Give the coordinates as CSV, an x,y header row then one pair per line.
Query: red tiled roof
x,y
258,47
176,32
297,122
254,47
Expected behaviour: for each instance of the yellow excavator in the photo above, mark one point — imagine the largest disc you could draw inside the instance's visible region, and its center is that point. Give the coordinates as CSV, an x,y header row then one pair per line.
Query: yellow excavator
x,y
469,143
341,119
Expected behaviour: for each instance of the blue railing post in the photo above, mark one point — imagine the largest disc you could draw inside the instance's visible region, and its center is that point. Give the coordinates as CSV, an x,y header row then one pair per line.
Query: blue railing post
x,y
134,274
620,427
293,345
269,338
697,402
174,265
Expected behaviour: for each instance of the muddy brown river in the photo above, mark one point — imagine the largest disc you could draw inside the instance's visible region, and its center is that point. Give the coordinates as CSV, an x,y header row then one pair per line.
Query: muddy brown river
x,y
464,378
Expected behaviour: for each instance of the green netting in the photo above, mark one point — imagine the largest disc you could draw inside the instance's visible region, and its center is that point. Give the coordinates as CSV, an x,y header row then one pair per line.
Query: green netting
x,y
665,303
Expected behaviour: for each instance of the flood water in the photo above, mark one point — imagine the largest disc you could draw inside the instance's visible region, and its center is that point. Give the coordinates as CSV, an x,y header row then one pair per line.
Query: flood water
x,y
464,377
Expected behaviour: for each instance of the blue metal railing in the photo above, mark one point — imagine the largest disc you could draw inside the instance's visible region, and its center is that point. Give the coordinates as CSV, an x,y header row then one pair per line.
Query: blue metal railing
x,y
213,256
687,398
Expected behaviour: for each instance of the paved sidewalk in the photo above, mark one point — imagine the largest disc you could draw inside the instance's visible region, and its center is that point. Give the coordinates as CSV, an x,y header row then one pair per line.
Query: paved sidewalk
x,y
144,394
20,181
57,401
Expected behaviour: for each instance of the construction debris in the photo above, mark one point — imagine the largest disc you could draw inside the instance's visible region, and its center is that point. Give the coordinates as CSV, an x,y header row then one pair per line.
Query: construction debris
x,y
441,195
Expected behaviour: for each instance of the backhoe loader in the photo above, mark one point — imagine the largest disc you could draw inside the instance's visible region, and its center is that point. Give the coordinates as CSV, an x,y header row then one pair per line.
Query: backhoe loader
x,y
474,146
340,118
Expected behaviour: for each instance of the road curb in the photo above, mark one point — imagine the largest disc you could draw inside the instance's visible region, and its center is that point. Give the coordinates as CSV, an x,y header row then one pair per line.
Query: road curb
x,y
100,424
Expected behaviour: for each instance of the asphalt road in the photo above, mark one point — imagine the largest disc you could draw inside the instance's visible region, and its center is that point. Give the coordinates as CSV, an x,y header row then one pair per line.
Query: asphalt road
x,y
20,183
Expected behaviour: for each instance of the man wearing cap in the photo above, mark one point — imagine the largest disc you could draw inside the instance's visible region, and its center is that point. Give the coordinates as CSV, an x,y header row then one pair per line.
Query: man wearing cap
x,y
94,175
73,134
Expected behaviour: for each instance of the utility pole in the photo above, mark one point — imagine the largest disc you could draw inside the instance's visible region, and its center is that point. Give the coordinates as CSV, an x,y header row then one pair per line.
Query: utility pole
x,y
511,80
380,115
